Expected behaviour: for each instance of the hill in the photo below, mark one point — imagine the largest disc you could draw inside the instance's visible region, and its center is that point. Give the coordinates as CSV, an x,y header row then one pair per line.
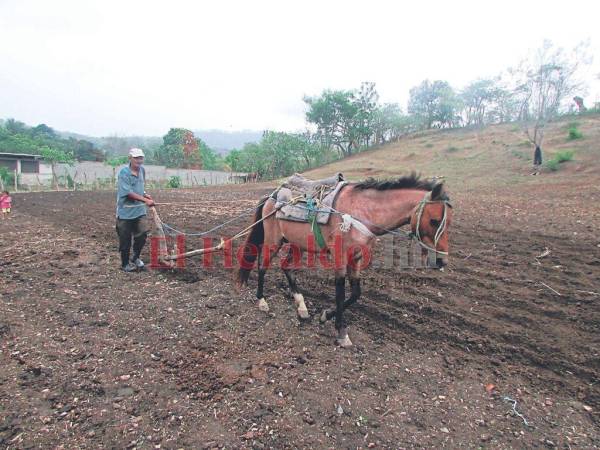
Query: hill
x,y
224,141
498,154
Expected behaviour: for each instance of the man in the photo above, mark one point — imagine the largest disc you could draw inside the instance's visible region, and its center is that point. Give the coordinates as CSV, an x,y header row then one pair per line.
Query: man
x,y
131,210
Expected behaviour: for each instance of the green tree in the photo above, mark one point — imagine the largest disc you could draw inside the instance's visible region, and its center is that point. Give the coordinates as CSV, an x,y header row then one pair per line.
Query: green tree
x,y
336,116
479,98
115,162
55,156
434,104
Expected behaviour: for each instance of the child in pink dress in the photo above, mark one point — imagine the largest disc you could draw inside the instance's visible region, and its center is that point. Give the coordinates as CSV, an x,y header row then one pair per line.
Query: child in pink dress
x,y
5,204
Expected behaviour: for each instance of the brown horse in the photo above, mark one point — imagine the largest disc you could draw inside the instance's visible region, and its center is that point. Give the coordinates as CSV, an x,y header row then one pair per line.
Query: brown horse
x,y
362,211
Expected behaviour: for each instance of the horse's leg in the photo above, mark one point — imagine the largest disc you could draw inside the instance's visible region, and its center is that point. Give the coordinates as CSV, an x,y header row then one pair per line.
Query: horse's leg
x,y
298,297
355,292
340,296
268,251
262,303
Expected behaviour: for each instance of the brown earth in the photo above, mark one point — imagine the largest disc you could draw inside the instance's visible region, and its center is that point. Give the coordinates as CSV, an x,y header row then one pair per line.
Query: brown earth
x,y
95,358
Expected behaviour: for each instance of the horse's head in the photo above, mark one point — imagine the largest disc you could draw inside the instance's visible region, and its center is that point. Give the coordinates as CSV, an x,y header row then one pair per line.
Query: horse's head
x,y
430,221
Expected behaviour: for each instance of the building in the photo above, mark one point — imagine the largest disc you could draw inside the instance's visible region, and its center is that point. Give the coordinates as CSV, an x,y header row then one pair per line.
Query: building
x,y
30,169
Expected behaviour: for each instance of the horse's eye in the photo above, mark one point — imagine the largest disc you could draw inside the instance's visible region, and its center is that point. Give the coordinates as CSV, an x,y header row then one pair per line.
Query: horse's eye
x,y
434,223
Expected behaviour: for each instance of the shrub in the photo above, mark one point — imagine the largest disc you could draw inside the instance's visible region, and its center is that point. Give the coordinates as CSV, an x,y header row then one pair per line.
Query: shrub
x,y
452,149
552,164
174,182
560,157
574,133
7,177
429,145
565,155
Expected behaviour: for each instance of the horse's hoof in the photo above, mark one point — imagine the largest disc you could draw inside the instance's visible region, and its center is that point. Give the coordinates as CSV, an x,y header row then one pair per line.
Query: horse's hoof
x,y
323,317
303,314
263,305
344,342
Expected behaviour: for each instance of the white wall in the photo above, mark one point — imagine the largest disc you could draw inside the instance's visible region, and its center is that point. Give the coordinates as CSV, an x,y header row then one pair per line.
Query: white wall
x,y
89,172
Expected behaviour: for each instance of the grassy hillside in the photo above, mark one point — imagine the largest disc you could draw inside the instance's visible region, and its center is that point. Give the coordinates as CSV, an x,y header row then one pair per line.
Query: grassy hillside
x,y
498,154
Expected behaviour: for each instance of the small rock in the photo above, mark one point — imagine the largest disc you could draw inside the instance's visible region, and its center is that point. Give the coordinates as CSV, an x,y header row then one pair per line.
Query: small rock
x,y
485,437
371,445
340,410
124,377
444,430
587,408
309,420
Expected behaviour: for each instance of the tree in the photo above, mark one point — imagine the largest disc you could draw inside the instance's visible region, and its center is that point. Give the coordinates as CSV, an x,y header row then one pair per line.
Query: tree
x,y
115,162
366,101
335,114
434,104
55,156
180,148
543,83
478,98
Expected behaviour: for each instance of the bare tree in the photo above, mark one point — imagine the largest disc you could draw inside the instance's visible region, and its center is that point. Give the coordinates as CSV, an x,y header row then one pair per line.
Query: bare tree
x,y
542,84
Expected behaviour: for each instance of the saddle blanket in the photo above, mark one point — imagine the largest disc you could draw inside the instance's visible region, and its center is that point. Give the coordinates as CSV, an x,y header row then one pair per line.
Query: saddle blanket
x,y
300,190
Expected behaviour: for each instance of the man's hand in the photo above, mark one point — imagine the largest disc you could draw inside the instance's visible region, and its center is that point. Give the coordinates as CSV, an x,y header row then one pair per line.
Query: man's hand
x,y
148,200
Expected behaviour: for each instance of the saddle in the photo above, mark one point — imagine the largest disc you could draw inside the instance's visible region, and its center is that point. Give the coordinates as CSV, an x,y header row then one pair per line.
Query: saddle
x,y
308,198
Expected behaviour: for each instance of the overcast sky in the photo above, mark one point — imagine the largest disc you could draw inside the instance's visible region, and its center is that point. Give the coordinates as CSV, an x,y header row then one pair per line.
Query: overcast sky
x,y
141,67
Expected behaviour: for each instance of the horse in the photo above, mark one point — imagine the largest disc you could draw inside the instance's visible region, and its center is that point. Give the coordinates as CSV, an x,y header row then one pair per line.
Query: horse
x,y
361,212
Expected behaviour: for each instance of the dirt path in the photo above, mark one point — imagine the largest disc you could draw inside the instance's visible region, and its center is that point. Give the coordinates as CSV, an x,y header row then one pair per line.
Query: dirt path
x,y
93,358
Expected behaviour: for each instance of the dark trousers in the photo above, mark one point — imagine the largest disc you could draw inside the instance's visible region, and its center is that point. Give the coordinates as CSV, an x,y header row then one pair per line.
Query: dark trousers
x,y
128,228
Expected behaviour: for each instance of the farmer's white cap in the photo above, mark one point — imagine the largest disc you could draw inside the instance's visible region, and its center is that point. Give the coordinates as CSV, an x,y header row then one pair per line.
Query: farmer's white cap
x,y
136,152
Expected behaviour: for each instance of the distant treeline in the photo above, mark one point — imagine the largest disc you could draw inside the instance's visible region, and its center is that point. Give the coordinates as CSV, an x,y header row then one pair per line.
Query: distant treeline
x,y
343,122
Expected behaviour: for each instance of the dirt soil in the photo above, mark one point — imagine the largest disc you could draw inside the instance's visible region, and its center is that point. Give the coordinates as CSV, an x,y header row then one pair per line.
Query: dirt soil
x,y
95,358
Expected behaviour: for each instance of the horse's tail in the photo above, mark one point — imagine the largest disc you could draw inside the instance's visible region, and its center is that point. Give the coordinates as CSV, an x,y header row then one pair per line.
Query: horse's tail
x,y
252,245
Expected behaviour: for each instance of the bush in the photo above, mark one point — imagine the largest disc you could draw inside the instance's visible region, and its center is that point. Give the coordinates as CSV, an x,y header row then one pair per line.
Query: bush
x,y
552,164
7,177
174,182
560,157
574,133
452,149
565,155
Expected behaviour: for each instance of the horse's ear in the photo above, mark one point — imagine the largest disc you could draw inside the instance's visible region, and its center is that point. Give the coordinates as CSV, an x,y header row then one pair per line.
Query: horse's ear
x,y
437,191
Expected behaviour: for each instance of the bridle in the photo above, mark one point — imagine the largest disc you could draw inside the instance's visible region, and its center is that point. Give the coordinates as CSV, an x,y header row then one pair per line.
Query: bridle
x,y
441,228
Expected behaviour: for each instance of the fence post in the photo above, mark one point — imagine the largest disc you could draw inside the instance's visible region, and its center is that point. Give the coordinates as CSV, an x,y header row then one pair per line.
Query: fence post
x,y
16,189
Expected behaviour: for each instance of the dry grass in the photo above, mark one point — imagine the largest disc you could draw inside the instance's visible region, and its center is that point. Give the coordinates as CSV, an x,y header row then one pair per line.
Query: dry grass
x,y
495,155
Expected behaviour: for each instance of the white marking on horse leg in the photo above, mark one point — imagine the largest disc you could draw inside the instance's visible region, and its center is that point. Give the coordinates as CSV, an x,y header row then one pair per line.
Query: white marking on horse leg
x,y
263,305
301,306
343,340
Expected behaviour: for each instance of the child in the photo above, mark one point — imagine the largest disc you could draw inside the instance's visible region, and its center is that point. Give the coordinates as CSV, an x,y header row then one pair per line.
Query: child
x,y
5,203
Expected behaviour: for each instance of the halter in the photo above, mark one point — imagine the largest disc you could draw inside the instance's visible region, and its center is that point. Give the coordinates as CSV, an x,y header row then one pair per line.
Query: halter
x,y
441,228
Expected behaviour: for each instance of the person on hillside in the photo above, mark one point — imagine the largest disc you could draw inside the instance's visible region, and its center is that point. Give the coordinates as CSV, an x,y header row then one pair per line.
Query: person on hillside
x,y
132,201
5,204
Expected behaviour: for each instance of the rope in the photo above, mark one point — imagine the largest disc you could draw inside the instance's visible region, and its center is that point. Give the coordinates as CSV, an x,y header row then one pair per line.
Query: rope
x,y
175,231
514,408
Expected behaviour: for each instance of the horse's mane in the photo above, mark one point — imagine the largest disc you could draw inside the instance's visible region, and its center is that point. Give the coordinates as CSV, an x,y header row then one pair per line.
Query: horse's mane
x,y
412,181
